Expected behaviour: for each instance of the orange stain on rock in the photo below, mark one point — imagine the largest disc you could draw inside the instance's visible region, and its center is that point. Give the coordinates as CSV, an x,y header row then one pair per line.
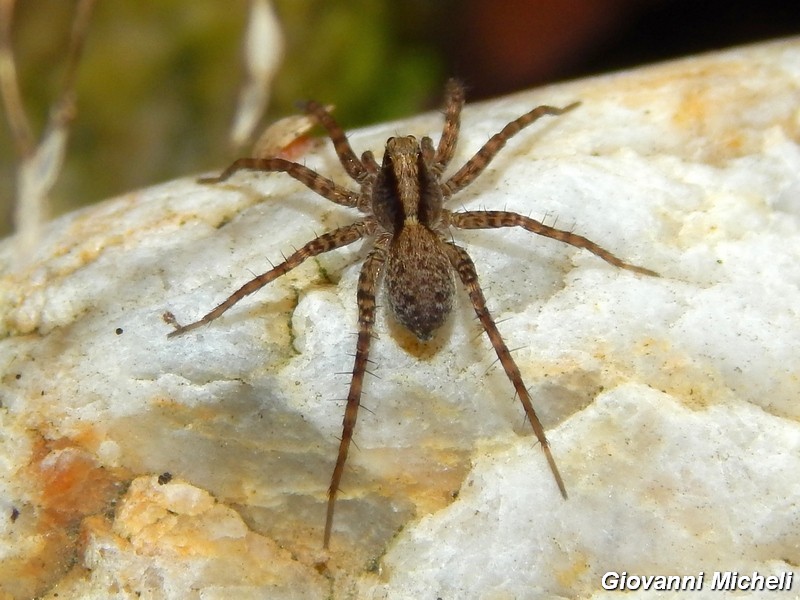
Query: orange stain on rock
x,y
70,486
71,483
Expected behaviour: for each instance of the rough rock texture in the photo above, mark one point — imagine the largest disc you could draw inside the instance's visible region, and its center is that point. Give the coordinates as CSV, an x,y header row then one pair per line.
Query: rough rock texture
x,y
136,466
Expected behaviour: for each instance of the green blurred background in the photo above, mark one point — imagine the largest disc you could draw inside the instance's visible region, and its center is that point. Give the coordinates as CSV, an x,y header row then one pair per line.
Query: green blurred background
x,y
159,80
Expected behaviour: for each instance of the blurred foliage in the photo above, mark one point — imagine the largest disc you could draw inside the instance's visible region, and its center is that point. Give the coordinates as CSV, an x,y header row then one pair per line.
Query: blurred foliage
x,y
159,81
361,55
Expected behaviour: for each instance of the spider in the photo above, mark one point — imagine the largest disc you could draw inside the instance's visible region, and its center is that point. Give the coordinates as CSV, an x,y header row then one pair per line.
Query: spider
x,y
401,202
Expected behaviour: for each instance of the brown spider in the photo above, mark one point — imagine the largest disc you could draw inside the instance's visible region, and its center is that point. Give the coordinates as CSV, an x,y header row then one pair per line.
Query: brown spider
x,y
402,205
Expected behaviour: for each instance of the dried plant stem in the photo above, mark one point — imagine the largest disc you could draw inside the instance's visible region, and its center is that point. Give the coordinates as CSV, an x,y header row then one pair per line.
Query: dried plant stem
x,y
40,164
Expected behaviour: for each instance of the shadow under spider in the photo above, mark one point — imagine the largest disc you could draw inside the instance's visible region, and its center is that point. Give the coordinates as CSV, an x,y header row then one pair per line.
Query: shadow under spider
x,y
401,201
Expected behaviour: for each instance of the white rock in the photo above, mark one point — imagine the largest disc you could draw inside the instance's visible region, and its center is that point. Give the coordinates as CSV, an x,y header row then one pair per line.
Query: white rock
x,y
671,403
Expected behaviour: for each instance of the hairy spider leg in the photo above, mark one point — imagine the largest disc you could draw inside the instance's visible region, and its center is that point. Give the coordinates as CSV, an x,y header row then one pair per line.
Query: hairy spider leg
x,y
367,283
332,240
475,165
491,219
354,167
311,179
465,268
454,102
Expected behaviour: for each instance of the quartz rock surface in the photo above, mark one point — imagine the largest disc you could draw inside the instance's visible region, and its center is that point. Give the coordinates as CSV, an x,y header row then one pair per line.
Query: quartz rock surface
x,y
136,466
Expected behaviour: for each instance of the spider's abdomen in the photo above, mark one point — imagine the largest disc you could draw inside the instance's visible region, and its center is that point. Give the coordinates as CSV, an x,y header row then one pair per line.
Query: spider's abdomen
x,y
419,280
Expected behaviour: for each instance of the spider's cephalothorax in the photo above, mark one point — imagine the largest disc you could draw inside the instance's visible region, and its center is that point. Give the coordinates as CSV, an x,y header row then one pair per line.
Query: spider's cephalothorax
x,y
402,205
